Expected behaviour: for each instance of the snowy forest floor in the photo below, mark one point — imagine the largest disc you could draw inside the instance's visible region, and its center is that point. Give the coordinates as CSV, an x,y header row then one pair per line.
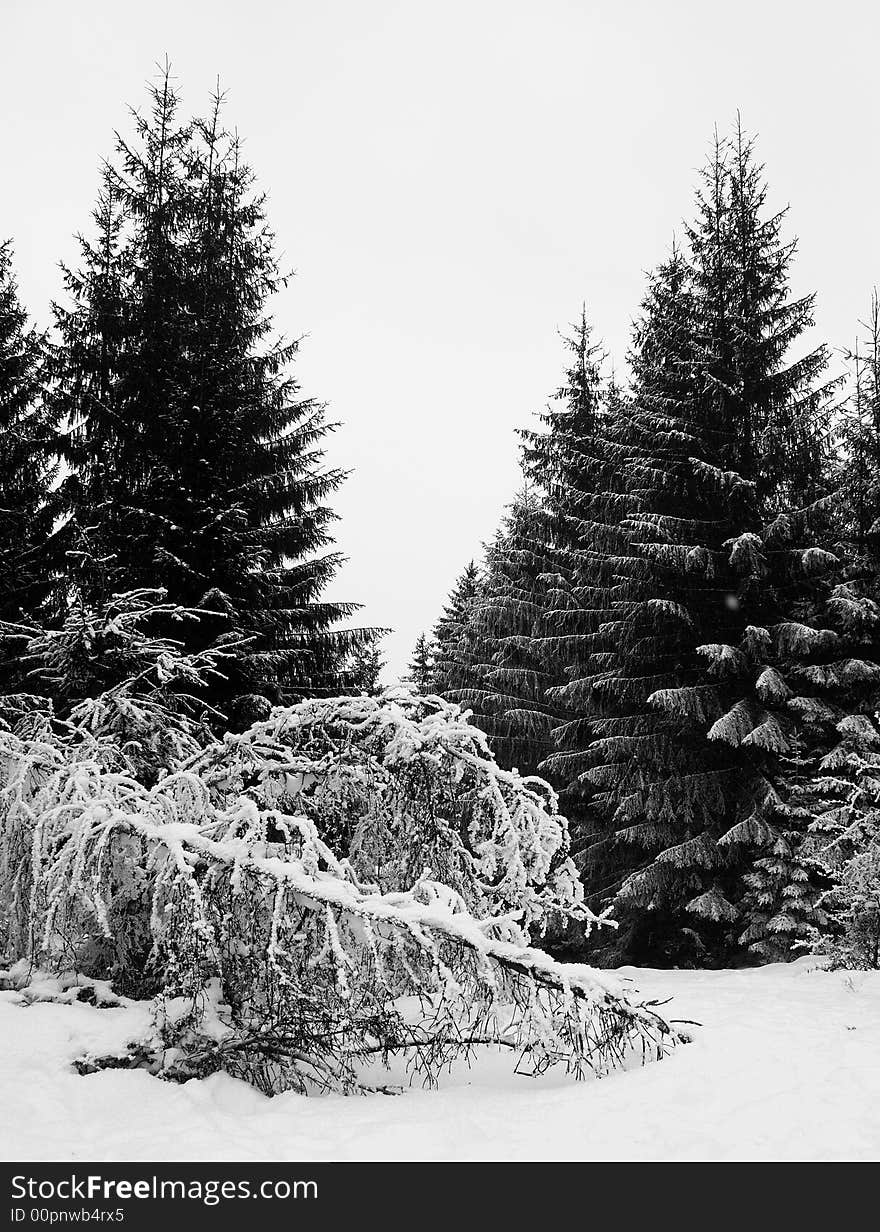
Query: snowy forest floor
x,y
786,1066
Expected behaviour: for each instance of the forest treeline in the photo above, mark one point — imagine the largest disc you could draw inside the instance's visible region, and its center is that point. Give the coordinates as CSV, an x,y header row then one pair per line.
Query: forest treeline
x,y
677,623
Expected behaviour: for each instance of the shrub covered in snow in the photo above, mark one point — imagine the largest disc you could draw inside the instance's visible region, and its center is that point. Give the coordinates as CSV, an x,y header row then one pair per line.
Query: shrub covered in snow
x,y
844,839
854,903
349,878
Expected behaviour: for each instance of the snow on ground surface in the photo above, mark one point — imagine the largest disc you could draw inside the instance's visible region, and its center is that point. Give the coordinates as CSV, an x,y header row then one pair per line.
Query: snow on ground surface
x,y
786,1066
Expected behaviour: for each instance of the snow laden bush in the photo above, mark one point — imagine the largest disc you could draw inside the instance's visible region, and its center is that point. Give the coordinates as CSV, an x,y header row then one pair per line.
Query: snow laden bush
x,y
854,905
108,672
348,879
122,700
844,840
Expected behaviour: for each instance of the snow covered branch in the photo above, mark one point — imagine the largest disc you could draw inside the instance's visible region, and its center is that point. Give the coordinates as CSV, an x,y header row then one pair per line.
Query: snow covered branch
x,y
350,877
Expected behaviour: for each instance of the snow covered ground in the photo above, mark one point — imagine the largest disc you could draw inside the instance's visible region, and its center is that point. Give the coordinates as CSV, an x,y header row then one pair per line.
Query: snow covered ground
x,y
785,1067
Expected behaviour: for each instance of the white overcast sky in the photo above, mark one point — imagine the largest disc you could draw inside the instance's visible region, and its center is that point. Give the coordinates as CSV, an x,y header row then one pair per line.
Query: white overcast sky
x,y
450,180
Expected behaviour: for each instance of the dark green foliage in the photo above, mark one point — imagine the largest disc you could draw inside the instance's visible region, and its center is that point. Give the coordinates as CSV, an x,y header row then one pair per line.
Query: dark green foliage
x,y
509,697
859,459
363,668
700,740
25,469
420,673
458,650
666,609
573,462
196,465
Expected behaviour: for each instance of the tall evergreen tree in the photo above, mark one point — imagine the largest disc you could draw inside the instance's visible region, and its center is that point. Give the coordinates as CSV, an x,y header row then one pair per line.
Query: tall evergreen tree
x,y
25,470
508,693
114,368
420,672
458,652
201,472
537,613
364,666
718,594
840,802
572,460
859,462
88,367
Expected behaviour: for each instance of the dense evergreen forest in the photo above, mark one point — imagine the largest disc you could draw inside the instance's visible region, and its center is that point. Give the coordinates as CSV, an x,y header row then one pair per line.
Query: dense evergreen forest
x,y
677,623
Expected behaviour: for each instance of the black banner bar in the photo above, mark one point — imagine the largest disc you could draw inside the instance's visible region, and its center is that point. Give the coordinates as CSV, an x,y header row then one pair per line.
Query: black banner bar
x,y
259,1196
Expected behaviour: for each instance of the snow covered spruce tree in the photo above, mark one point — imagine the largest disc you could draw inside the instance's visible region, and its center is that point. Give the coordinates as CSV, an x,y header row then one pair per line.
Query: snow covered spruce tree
x,y
844,801
420,671
201,471
718,601
536,617
119,338
363,668
458,653
25,468
844,842
105,671
105,695
538,613
572,461
349,879
487,655
528,568
524,569
859,470
507,691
